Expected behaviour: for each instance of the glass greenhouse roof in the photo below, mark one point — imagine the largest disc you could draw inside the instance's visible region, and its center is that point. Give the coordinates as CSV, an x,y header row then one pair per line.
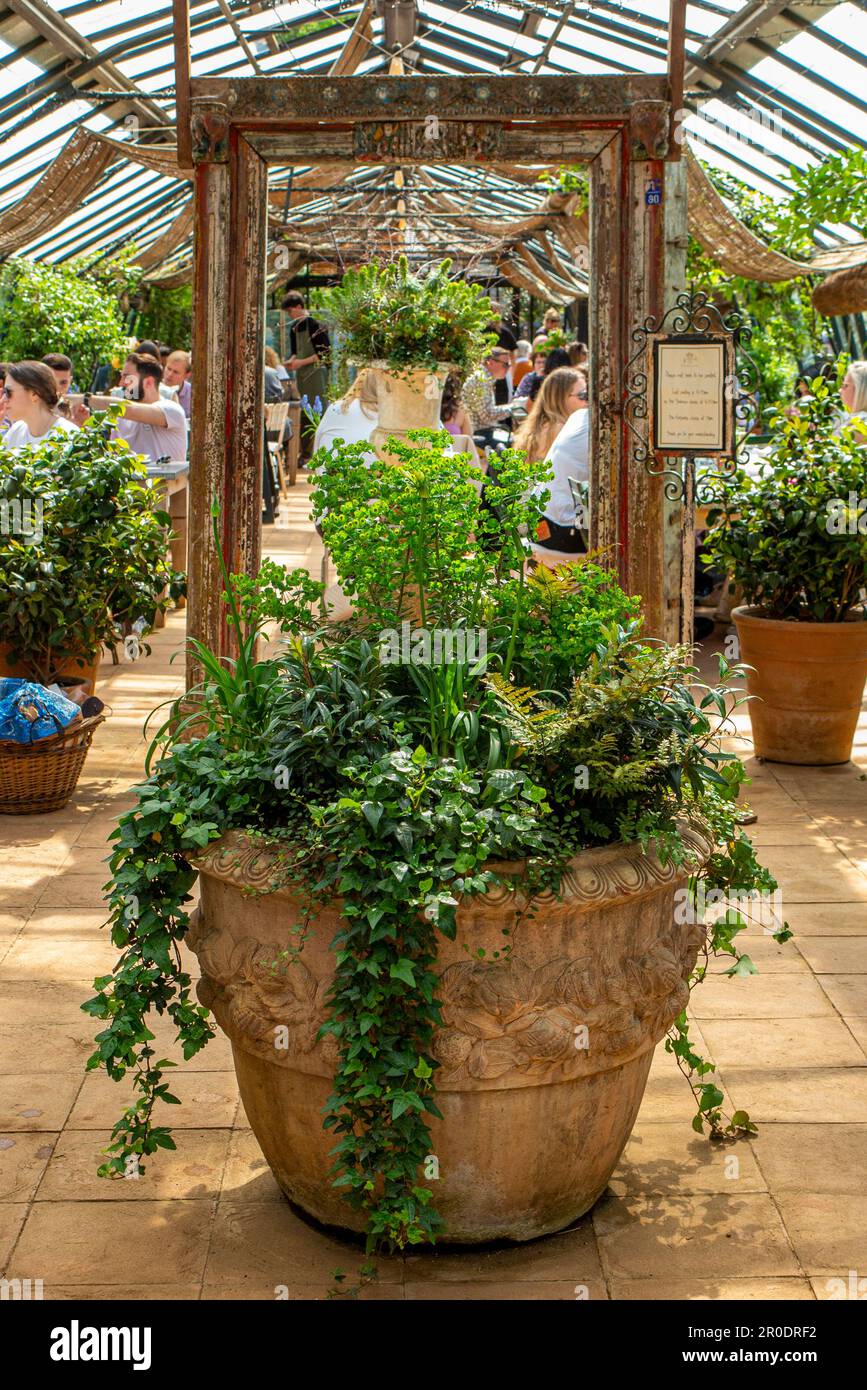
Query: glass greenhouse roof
x,y
768,84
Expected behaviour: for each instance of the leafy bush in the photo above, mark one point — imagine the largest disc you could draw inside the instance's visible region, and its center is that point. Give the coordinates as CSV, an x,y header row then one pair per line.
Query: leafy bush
x,y
58,308
82,548
791,536
388,313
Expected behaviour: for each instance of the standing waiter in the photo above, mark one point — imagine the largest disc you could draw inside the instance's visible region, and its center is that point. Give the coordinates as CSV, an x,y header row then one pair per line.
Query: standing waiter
x,y
310,346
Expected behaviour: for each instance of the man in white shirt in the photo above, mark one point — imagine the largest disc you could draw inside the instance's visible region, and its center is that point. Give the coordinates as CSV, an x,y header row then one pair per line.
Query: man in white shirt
x,y
150,424
568,467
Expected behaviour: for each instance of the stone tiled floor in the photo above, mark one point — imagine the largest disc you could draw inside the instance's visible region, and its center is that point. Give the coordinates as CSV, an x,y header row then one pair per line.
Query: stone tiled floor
x,y
778,1217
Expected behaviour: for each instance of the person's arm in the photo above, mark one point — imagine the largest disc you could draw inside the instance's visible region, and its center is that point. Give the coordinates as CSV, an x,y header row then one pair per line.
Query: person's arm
x,y
140,411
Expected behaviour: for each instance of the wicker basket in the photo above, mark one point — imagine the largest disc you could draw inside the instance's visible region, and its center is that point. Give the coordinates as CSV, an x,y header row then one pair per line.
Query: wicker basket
x,y
42,776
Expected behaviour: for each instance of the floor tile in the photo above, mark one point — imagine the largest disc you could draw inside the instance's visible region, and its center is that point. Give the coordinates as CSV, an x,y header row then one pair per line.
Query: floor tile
x,y
839,1095
208,1101
70,1243
266,1245
713,1290
36,1101
193,1170
783,1042
12,1216
703,1237
570,1257
23,1160
827,1230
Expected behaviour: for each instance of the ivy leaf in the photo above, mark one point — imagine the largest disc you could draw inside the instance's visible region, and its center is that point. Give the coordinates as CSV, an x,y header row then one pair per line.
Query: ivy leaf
x,y
402,970
372,812
743,966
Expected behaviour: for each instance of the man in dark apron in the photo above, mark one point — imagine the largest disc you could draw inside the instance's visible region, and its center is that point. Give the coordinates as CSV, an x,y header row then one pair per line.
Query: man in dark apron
x,y
309,347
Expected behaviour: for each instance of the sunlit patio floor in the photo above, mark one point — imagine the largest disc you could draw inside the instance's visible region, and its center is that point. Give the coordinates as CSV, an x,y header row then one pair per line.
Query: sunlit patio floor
x,y
783,1216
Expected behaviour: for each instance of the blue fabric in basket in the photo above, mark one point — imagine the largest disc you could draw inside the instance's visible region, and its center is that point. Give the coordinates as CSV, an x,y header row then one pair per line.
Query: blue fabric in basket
x,y
29,712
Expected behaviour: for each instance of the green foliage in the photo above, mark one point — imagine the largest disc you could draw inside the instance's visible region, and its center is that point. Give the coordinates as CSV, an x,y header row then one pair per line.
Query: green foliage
x,y
571,179
388,313
791,536
397,788
58,308
167,315
832,191
100,560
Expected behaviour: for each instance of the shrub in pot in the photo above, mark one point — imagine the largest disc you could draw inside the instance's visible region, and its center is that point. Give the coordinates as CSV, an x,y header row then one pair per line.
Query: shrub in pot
x,y
412,329
82,552
794,538
445,899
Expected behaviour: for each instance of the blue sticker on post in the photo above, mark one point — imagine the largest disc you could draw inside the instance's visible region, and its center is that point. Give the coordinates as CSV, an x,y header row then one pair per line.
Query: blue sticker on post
x,y
653,193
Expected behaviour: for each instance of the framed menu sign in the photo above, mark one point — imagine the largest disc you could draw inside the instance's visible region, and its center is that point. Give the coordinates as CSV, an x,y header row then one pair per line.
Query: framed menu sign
x,y
693,407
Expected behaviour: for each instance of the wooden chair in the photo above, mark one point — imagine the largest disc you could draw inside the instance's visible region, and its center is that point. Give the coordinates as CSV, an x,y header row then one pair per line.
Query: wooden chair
x,y
276,415
293,444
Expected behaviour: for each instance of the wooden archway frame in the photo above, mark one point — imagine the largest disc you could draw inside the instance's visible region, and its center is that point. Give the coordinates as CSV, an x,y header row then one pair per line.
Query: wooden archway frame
x,y
619,125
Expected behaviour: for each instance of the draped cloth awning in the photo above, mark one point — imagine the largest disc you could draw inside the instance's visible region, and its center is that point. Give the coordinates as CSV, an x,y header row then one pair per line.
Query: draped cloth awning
x,y
738,250
174,236
844,292
64,185
69,179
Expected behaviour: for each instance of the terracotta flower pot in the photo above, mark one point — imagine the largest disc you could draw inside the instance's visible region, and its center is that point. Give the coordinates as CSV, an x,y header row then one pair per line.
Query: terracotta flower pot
x,y
809,679
543,1056
85,672
407,400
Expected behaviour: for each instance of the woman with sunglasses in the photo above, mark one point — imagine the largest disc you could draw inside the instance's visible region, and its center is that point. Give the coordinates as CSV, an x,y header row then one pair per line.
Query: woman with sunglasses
x,y
31,401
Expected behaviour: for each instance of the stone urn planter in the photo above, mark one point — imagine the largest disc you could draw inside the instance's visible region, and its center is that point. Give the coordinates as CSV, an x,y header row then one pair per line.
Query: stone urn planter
x,y
544,1055
809,680
409,399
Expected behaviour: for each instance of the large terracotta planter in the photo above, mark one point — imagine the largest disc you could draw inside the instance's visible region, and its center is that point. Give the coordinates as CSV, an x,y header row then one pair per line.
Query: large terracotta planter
x,y
407,400
85,671
809,680
534,1120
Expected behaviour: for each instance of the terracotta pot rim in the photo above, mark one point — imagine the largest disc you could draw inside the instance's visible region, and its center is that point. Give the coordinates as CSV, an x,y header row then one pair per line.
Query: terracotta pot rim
x,y
751,613
381,365
607,873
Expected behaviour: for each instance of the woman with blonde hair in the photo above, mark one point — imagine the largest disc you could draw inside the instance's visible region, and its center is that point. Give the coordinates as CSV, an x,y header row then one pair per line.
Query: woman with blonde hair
x,y
563,391
354,417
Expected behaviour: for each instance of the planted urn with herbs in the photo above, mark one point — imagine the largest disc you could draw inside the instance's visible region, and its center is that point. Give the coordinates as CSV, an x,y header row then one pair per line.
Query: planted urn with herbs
x,y
411,329
82,553
794,539
447,854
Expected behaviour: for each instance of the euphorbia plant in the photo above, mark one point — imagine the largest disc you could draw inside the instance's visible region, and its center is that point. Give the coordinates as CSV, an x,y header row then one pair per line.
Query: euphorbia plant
x,y
82,550
402,784
794,535
388,313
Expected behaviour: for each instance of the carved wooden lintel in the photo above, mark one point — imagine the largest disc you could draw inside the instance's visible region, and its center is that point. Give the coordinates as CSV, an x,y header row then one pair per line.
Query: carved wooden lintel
x,y
210,128
403,141
649,129
265,99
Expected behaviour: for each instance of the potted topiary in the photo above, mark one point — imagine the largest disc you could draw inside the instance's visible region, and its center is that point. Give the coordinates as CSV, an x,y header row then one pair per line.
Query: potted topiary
x,y
794,538
446,853
412,330
82,553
